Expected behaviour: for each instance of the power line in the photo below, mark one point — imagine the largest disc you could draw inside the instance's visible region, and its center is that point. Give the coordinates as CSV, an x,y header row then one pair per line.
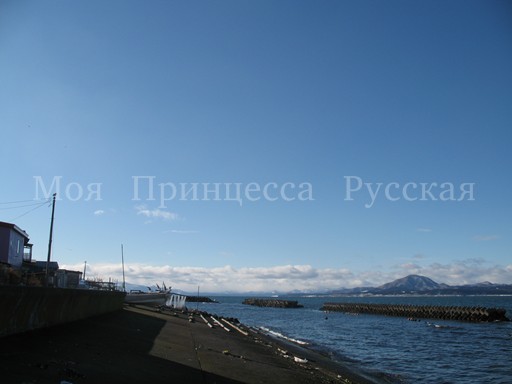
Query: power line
x,y
30,210
25,205
16,202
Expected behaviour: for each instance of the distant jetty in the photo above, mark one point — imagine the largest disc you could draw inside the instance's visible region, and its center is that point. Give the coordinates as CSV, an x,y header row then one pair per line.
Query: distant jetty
x,y
473,314
273,303
200,299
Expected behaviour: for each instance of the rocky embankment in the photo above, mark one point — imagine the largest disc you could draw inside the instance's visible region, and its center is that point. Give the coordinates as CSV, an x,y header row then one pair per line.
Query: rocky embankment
x,y
273,303
200,299
473,314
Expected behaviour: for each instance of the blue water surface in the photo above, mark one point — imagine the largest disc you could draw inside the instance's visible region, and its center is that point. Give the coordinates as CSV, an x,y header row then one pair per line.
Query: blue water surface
x,y
427,351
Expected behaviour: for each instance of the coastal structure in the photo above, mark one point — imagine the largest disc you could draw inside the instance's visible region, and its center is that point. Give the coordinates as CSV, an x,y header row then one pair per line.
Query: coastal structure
x,y
473,314
276,303
27,308
144,345
200,299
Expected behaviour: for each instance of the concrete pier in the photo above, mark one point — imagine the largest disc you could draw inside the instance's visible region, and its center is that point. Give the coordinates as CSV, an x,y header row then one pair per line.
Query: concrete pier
x,y
142,345
473,314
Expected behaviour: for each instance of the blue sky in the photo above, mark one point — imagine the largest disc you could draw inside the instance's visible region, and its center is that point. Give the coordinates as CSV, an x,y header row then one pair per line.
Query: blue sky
x,y
261,93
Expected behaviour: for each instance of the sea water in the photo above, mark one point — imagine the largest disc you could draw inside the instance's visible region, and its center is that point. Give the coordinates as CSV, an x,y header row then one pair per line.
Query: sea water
x,y
427,351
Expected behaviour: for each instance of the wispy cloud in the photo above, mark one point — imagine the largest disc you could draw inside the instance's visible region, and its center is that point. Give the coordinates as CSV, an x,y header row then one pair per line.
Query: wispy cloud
x,y
180,231
99,212
285,278
155,213
423,230
486,237
410,267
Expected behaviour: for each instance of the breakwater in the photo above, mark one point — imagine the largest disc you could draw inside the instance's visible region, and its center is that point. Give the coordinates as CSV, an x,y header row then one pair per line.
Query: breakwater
x,y
200,299
27,308
473,314
273,303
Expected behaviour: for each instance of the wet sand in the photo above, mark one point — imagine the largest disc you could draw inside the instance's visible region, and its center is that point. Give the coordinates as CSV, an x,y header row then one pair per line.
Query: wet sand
x,y
142,345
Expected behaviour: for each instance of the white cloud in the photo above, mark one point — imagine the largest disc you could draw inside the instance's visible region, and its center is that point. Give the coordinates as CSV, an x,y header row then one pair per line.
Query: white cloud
x,y
285,278
155,213
180,231
99,212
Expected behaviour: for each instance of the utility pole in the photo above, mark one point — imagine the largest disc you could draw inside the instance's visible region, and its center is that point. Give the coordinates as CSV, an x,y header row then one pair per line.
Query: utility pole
x,y
85,267
50,241
122,261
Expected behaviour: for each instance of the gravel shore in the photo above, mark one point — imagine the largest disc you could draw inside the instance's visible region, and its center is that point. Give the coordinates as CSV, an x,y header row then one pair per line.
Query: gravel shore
x,y
143,345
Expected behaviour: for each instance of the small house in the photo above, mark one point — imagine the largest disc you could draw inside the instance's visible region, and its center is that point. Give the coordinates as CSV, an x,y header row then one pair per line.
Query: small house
x,y
14,245
67,279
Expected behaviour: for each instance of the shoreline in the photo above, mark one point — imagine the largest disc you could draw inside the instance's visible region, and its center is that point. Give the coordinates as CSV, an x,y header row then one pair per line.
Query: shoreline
x,y
141,344
334,362
318,358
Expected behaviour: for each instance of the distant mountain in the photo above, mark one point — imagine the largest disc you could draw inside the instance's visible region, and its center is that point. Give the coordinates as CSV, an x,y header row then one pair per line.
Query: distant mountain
x,y
421,285
484,288
411,283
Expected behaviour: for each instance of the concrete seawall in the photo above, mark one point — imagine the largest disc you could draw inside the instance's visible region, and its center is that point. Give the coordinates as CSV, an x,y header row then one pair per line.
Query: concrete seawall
x,y
474,314
27,308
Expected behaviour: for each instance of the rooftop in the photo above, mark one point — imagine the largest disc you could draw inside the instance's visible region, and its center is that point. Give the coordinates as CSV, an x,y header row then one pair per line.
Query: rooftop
x,y
15,228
